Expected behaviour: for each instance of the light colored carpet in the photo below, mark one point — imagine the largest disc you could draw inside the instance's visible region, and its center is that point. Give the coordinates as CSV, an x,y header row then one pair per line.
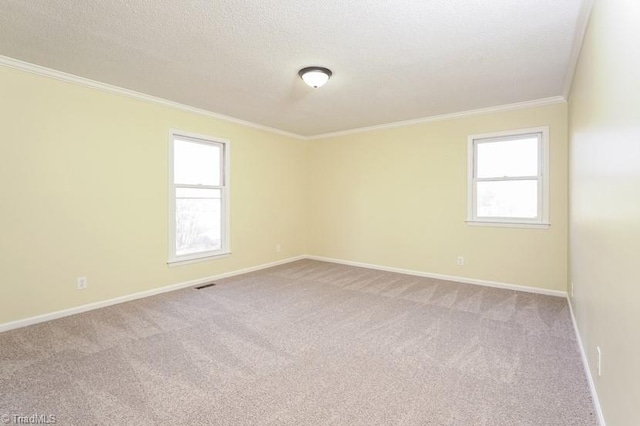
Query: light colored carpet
x,y
307,343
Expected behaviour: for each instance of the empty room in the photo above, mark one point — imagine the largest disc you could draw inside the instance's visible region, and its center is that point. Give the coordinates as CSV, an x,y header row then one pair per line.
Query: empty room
x,y
320,213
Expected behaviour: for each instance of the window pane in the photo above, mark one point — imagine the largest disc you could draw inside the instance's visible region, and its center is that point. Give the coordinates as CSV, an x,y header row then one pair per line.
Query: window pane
x,y
197,163
513,158
198,220
517,199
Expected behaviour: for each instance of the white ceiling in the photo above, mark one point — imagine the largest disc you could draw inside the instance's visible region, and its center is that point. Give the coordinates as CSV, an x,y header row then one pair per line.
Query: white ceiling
x,y
392,60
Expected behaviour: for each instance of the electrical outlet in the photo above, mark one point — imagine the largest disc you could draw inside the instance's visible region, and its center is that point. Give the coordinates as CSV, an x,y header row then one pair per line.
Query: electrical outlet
x,y
82,283
599,361
460,261
278,248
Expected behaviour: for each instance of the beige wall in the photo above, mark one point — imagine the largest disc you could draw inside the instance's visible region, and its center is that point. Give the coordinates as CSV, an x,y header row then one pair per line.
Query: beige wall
x,y
397,197
84,192
605,204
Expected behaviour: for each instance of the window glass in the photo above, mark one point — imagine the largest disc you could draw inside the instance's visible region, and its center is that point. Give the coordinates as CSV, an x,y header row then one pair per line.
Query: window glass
x,y
507,199
197,163
198,205
198,220
512,158
508,178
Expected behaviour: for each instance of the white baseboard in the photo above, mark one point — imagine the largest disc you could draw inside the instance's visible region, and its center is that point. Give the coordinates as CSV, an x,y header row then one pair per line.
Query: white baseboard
x,y
96,305
587,370
465,280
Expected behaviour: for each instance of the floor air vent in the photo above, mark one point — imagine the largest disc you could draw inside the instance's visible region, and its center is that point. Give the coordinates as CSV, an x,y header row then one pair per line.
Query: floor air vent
x,y
205,286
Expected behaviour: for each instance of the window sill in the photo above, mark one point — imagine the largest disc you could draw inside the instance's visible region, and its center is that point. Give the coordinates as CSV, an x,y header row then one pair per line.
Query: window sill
x,y
497,224
205,258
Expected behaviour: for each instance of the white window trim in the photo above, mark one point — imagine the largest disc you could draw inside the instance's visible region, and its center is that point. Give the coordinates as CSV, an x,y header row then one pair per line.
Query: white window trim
x,y
225,250
542,221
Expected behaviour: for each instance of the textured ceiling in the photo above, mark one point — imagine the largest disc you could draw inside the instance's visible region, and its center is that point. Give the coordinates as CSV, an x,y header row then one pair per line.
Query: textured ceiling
x,y
392,60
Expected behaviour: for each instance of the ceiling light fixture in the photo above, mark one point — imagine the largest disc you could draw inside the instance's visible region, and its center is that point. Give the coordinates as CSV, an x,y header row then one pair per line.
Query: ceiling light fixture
x,y
315,76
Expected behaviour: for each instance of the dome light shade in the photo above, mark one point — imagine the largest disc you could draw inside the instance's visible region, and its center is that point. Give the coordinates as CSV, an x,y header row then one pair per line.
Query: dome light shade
x,y
315,76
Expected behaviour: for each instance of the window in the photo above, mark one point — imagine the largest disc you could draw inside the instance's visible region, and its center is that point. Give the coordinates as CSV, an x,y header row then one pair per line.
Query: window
x,y
198,197
508,179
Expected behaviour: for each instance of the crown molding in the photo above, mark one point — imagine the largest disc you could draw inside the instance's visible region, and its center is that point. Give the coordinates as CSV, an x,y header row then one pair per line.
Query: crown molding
x,y
581,29
108,88
500,108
